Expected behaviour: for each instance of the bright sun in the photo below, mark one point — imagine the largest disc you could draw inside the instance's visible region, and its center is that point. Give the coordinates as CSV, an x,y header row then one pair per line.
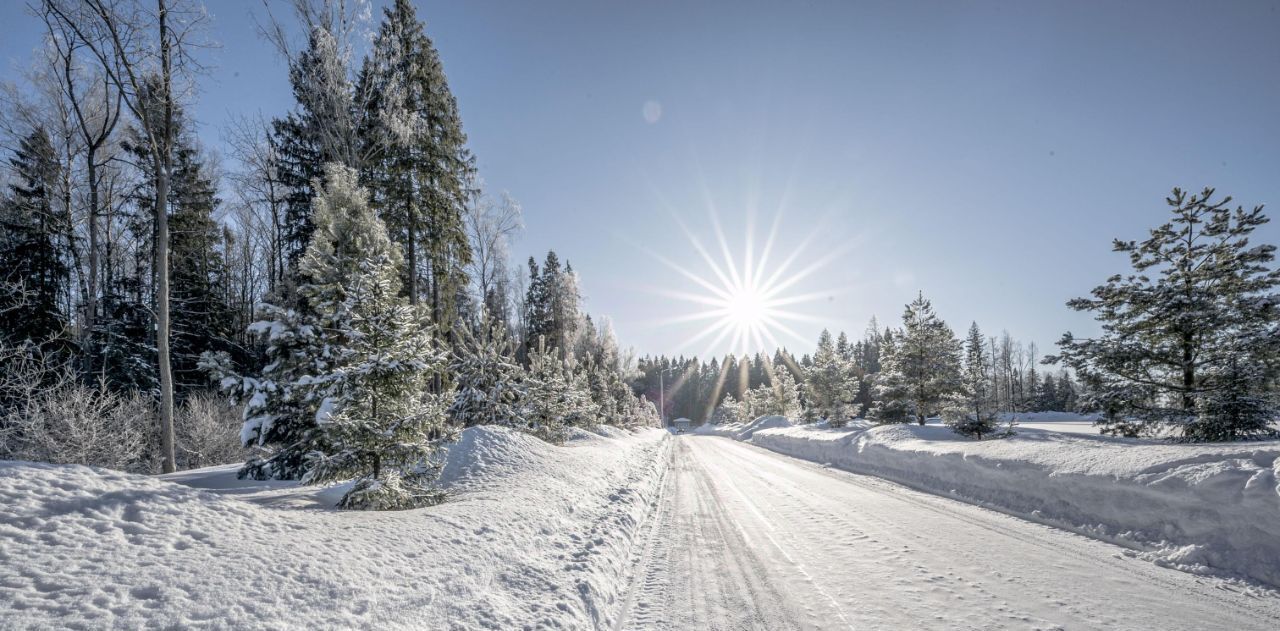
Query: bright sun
x,y
743,297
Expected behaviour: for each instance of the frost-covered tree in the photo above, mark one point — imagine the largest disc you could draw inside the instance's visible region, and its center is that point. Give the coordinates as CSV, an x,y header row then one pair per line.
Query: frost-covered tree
x,y
970,410
830,385
490,382
730,410
417,159
1190,337
922,369
556,397
377,419
345,391
786,393
322,129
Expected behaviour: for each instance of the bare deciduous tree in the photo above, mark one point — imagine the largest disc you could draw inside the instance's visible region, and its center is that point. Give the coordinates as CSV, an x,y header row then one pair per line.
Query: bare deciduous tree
x,y
142,53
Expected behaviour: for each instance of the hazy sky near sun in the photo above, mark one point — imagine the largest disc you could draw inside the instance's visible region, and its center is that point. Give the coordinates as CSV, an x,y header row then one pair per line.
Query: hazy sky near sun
x,y
983,152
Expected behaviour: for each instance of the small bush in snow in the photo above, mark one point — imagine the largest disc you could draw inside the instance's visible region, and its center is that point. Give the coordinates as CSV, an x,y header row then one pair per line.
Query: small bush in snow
x,y
50,416
208,432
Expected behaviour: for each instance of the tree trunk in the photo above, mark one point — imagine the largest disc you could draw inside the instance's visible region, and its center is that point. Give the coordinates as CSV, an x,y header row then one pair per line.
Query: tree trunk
x,y
413,253
167,450
91,302
162,142
1188,371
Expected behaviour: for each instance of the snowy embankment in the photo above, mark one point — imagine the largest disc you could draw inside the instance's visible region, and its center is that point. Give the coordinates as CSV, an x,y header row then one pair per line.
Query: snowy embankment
x,y
534,535
1213,508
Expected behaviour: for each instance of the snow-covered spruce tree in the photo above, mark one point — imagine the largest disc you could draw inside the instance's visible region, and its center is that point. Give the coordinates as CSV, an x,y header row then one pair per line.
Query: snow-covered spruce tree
x,y
830,386
345,391
1188,337
924,367
971,409
490,383
378,419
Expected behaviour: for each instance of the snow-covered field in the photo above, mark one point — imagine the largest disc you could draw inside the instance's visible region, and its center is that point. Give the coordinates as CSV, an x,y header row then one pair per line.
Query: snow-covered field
x,y
533,536
1200,508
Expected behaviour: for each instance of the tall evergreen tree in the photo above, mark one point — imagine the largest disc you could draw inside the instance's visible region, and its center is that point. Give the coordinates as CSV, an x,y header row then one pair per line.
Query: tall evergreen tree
x,y
829,384
1189,338
971,410
418,158
319,131
924,367
202,317
34,277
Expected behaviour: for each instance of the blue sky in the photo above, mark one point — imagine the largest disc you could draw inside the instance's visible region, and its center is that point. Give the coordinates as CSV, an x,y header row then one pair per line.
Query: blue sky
x,y
983,152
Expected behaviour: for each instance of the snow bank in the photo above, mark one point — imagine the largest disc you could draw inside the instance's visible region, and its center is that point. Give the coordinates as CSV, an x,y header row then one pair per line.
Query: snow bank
x,y
743,431
1196,507
534,535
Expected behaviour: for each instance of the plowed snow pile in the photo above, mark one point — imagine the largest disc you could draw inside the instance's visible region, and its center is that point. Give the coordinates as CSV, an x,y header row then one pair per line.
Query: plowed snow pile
x,y
1195,507
533,536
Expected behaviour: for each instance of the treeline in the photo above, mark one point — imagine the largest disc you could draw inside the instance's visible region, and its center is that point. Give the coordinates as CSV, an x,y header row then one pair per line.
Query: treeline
x,y
838,380
345,278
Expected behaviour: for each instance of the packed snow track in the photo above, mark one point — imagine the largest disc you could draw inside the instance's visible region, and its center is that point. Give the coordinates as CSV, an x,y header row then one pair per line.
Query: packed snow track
x,y
743,538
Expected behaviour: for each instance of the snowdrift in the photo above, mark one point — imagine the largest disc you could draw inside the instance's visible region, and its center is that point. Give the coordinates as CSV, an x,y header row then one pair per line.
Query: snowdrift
x,y
1200,508
534,535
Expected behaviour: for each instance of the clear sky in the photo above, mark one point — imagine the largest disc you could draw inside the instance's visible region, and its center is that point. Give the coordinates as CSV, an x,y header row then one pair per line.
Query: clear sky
x,y
983,152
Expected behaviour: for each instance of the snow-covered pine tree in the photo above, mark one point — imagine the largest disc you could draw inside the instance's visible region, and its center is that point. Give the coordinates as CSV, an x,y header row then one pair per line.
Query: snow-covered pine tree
x,y
925,366
970,410
490,383
1186,337
786,394
378,420
555,396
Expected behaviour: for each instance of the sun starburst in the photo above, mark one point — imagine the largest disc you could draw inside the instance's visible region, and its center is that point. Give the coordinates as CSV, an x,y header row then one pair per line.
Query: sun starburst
x,y
748,299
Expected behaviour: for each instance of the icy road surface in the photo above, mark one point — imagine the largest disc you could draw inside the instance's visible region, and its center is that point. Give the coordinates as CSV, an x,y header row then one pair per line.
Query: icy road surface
x,y
743,538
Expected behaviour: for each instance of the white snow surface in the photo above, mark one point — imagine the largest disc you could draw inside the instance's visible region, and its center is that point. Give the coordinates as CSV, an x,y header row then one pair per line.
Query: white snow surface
x,y
745,538
533,535
1205,508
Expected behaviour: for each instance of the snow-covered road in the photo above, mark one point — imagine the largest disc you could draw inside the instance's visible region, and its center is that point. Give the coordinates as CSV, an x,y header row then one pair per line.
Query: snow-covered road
x,y
743,538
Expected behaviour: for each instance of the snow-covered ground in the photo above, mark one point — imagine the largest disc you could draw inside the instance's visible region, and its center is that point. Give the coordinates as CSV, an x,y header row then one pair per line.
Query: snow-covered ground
x,y
744,538
533,536
1201,508
1068,422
